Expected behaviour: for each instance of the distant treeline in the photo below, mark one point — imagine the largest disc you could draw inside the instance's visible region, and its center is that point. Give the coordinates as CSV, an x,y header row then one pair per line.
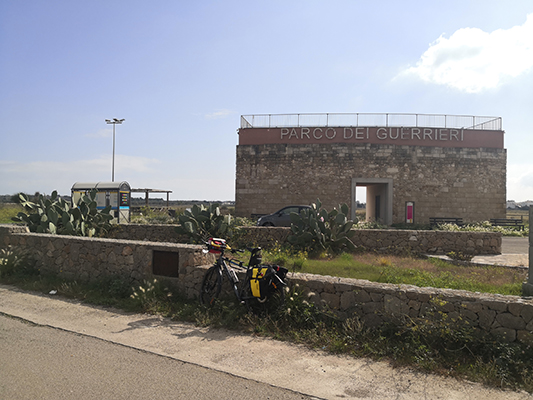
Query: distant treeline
x,y
160,202
135,201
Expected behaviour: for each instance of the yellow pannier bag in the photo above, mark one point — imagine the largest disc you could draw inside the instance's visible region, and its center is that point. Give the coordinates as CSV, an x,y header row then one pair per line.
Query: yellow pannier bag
x,y
259,280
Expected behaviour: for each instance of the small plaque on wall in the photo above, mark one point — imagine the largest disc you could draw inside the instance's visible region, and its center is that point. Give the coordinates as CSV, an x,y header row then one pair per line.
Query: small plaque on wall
x,y
165,263
409,212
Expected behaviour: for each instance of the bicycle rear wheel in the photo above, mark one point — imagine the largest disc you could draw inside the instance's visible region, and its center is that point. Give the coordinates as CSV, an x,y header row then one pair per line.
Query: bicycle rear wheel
x,y
211,286
268,305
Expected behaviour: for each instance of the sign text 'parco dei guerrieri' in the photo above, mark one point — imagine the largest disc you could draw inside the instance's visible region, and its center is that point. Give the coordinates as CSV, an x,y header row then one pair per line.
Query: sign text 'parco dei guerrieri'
x,y
366,133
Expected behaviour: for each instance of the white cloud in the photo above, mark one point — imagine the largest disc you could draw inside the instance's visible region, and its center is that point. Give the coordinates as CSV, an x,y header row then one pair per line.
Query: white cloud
x,y
472,60
219,114
101,133
520,182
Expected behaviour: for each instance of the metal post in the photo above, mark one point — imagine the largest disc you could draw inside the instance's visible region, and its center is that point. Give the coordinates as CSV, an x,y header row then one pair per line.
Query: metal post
x,y
113,162
530,275
527,287
114,121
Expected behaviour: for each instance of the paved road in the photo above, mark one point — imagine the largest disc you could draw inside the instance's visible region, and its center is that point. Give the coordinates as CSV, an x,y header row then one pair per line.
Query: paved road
x,y
40,362
74,351
515,245
515,253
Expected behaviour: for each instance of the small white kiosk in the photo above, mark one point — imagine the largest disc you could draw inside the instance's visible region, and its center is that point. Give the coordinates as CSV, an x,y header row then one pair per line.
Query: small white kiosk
x,y
114,194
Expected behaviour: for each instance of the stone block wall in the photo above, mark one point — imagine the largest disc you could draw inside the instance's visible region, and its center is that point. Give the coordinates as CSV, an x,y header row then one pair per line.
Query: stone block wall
x,y
509,317
152,232
397,241
389,240
89,259
468,183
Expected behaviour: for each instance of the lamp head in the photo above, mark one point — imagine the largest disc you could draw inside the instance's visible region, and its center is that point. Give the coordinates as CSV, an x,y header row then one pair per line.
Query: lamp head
x,y
115,121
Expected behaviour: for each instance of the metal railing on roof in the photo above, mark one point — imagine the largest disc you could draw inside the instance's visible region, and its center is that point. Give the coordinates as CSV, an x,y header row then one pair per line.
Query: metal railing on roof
x,y
368,120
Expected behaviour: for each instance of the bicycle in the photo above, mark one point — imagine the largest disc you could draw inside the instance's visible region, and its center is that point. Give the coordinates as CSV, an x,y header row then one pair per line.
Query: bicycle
x,y
262,289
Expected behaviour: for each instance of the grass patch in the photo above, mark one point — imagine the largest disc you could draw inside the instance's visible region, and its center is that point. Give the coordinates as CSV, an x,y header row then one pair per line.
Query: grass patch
x,y
8,211
412,271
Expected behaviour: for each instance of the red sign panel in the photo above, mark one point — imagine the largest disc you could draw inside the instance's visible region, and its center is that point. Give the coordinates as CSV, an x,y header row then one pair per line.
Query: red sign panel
x,y
401,136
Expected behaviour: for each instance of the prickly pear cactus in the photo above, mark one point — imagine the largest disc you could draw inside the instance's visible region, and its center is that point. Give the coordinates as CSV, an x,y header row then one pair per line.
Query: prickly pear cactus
x,y
201,223
56,216
316,229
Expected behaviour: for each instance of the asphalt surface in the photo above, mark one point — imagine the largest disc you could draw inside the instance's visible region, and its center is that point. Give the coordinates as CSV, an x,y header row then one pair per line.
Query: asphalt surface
x,y
514,254
515,245
40,362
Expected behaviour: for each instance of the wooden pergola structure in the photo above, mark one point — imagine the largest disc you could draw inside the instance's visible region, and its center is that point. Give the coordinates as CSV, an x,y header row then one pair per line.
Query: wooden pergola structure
x,y
147,192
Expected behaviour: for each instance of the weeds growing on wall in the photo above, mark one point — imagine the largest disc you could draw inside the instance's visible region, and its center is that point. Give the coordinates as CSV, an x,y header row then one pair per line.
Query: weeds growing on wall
x,y
18,263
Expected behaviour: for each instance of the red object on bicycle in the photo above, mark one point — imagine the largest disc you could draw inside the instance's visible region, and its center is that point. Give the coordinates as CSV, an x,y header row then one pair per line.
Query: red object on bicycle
x,y
216,246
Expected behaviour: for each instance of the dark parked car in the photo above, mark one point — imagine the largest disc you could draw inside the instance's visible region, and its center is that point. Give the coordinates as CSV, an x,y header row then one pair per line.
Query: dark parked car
x,y
281,217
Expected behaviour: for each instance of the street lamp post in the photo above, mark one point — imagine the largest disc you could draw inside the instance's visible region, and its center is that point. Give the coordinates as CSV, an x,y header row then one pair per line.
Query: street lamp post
x,y
114,121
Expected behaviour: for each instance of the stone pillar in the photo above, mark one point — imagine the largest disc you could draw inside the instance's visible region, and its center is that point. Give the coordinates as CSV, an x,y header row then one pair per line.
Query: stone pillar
x,y
527,287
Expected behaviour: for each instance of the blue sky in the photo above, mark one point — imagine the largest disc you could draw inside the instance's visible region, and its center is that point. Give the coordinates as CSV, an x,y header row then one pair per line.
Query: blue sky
x,y
182,72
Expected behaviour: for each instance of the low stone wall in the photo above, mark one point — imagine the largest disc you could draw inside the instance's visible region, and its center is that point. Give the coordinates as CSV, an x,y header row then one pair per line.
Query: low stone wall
x,y
509,317
384,240
89,259
152,233
397,240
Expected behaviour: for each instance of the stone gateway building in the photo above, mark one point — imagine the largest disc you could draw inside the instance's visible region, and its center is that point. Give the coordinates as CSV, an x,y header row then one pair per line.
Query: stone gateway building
x,y
414,166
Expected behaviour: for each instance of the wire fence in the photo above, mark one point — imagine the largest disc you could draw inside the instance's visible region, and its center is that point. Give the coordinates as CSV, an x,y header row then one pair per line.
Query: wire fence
x,y
367,120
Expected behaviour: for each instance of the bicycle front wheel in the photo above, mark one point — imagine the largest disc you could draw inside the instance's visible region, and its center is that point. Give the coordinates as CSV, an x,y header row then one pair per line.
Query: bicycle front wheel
x,y
211,286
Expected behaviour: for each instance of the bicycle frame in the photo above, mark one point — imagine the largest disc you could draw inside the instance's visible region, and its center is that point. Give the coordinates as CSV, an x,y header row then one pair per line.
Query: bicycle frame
x,y
225,264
